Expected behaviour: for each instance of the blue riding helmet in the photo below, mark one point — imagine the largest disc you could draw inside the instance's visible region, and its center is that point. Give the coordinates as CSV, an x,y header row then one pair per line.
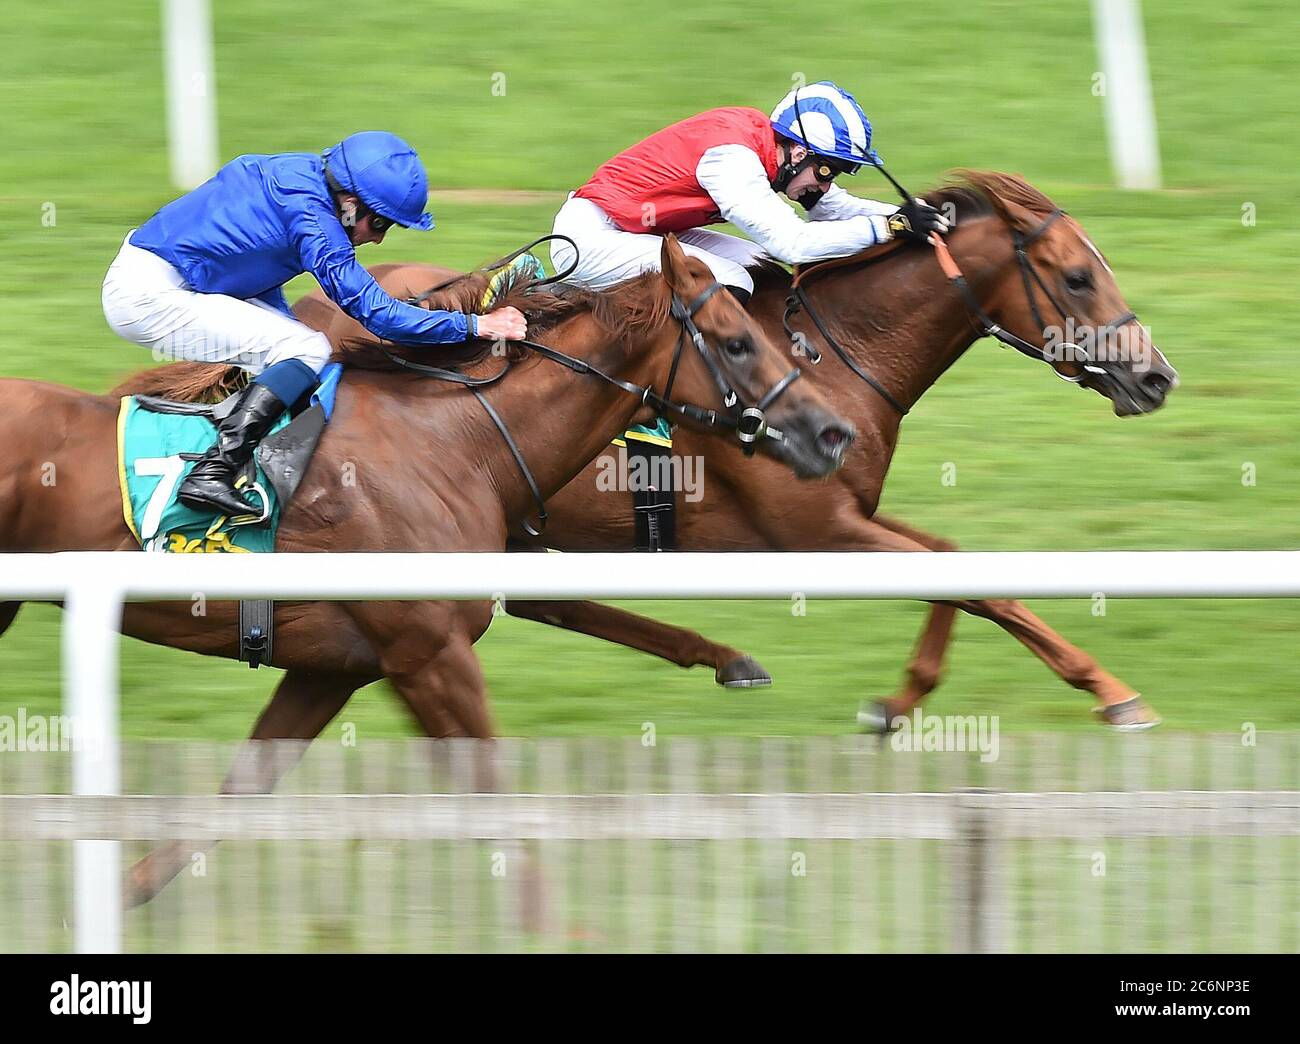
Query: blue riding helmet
x,y
384,171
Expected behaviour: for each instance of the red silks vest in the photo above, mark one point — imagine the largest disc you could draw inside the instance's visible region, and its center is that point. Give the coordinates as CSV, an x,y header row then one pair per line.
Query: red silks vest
x,y
651,187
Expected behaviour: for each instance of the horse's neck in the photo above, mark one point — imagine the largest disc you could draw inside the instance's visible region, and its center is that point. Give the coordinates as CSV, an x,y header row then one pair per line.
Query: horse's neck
x,y
904,328
559,420
902,323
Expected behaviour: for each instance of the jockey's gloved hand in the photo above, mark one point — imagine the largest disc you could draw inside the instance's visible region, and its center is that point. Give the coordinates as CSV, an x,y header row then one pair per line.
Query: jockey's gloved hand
x,y
916,219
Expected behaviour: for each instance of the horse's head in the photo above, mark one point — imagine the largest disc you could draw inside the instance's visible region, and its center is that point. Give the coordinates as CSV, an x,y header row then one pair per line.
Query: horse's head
x,y
1059,294
725,360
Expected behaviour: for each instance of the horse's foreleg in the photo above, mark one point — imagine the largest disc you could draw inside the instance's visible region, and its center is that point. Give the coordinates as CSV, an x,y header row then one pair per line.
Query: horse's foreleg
x,y
1119,704
678,645
926,666
429,658
302,705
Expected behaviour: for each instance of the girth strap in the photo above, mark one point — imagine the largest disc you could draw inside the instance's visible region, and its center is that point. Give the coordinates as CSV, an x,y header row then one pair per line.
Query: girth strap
x,y
256,631
654,510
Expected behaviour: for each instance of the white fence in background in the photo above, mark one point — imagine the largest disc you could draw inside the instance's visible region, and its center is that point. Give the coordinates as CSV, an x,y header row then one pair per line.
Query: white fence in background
x,y
1066,842
95,586
191,91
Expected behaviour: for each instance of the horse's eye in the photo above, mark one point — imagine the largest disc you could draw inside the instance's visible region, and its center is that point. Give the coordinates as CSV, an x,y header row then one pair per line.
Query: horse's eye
x,y
1078,281
737,347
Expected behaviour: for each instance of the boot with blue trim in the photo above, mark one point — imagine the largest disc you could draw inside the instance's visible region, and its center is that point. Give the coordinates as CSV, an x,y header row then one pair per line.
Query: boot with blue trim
x,y
210,485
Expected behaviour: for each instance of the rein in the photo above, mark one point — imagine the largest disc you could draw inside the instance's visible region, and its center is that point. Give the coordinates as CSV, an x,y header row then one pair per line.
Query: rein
x,y
501,262
1021,241
750,423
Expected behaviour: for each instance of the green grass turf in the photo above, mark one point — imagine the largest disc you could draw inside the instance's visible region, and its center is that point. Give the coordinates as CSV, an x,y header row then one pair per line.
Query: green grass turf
x,y
985,84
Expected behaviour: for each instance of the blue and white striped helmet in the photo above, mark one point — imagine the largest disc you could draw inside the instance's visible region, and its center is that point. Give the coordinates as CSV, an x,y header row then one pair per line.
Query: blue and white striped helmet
x,y
827,120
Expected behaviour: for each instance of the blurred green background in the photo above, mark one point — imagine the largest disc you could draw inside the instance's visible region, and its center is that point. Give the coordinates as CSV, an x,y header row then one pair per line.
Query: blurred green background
x,y
986,84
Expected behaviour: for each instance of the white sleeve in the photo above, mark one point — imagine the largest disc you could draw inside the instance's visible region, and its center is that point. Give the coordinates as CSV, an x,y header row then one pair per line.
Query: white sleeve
x,y
734,176
837,205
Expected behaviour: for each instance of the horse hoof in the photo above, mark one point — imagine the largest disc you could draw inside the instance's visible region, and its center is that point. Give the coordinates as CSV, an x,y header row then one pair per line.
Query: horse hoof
x,y
743,673
877,717
1132,715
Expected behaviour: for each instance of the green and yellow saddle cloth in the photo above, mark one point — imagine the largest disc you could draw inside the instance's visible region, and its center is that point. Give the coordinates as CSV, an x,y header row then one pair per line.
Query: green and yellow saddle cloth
x,y
156,444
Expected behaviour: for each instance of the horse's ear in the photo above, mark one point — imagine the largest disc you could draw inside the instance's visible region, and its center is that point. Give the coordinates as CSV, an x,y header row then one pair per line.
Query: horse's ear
x,y
1016,215
672,262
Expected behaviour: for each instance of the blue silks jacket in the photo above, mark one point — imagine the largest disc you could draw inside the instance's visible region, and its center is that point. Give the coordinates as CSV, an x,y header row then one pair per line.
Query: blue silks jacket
x,y
260,221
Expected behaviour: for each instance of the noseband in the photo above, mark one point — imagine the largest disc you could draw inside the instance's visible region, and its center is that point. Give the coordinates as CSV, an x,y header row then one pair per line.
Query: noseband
x,y
750,423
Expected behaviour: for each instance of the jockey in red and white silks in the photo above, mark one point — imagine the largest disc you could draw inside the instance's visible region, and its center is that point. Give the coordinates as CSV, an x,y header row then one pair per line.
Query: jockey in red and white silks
x,y
730,164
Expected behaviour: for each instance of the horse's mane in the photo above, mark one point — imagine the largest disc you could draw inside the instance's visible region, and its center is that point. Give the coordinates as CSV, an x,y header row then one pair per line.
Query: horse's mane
x,y
974,194
632,309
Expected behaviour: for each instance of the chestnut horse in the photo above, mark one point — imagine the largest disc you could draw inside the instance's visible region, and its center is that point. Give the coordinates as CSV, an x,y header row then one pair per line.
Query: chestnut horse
x,y
900,323
409,463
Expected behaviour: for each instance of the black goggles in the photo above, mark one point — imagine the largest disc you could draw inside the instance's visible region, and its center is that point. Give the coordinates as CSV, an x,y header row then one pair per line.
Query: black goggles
x,y
379,223
828,170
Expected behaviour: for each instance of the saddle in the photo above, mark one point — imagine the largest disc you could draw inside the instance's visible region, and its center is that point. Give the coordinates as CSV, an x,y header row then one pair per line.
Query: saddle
x,y
151,456
283,455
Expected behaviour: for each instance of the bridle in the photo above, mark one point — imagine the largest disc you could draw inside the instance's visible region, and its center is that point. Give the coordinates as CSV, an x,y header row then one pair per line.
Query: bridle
x,y
1030,277
1021,241
749,422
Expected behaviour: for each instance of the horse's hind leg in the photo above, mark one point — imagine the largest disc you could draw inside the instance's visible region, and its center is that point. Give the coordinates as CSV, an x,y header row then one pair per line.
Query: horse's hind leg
x,y
302,705
678,645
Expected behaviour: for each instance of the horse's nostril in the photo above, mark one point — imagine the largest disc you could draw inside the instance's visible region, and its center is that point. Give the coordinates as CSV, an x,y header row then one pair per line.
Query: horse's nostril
x,y
835,438
1156,384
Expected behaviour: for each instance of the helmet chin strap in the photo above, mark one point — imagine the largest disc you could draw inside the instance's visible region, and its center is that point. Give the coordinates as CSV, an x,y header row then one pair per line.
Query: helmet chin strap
x,y
788,171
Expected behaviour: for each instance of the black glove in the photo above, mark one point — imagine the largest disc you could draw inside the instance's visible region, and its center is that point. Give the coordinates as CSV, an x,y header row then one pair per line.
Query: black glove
x,y
916,219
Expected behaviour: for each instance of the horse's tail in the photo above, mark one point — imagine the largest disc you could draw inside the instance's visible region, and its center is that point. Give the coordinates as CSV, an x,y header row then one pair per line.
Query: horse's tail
x,y
185,382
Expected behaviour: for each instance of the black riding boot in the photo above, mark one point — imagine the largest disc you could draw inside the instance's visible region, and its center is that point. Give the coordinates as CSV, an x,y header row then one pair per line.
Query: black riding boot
x,y
210,486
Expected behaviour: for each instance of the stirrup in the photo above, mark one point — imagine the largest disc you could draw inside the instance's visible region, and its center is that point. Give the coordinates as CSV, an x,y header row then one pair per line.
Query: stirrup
x,y
250,519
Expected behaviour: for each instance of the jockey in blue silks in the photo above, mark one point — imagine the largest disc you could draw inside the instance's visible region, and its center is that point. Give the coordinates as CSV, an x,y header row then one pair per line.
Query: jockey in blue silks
x,y
202,279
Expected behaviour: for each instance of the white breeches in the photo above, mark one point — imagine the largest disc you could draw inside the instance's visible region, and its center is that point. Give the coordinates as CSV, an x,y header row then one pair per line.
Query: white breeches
x,y
608,255
146,300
